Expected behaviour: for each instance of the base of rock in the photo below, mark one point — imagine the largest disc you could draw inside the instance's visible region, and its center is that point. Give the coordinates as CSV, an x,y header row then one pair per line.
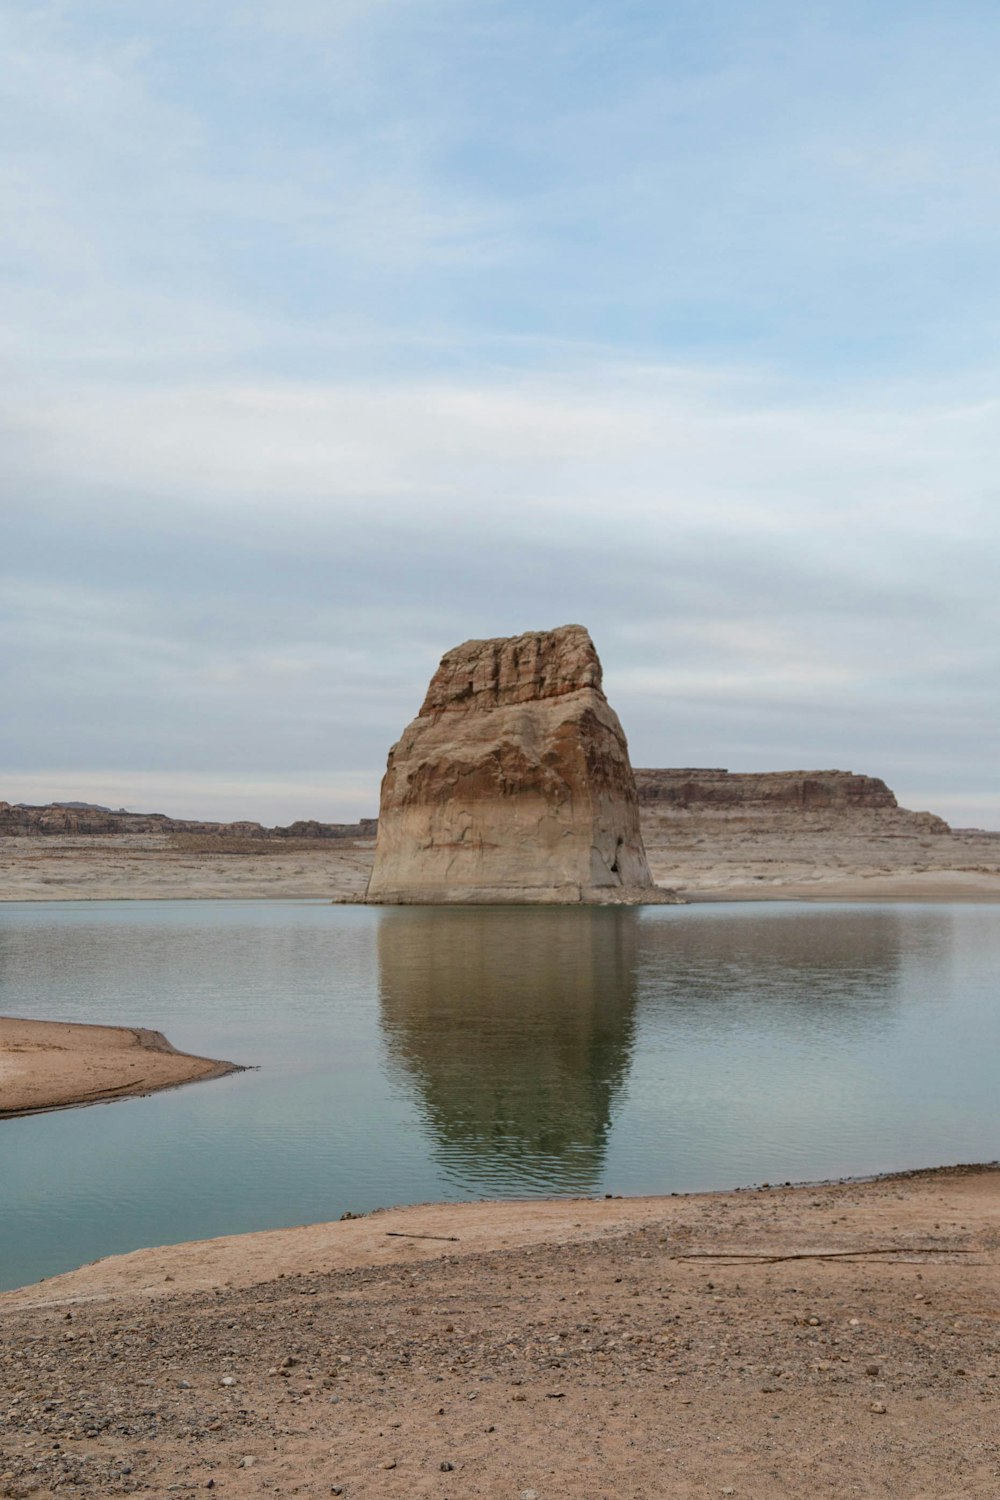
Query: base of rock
x,y
550,895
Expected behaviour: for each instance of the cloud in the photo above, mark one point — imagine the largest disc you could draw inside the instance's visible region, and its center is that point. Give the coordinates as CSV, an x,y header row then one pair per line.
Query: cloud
x,y
273,801
669,449
273,571
688,178
343,332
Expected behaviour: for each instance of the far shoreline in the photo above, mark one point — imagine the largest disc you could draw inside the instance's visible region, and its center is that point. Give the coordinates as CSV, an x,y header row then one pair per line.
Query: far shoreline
x,y
722,862
847,893
228,879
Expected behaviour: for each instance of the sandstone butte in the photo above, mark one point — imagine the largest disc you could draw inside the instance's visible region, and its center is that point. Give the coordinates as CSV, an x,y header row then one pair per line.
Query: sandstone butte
x,y
513,784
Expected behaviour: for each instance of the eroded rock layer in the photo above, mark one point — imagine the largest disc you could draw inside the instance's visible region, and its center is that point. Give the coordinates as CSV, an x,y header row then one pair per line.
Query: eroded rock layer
x,y
513,783
61,819
774,798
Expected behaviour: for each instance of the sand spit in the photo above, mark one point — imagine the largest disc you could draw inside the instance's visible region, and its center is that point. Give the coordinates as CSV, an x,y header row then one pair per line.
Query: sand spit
x,y
817,1341
56,1064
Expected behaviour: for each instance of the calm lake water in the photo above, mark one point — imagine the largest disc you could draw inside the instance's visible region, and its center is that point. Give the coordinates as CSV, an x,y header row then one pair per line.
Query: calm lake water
x,y
450,1053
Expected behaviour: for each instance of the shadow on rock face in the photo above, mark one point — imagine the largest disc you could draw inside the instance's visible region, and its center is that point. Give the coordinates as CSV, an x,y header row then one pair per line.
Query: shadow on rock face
x,y
515,1027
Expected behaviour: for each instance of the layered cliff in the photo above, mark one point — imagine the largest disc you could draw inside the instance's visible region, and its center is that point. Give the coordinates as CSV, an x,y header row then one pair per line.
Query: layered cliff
x,y
62,819
773,797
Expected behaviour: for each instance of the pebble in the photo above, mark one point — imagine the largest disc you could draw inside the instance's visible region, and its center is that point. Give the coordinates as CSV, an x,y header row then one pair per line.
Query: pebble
x,y
871,1369
390,1463
446,1467
529,1495
228,1380
878,1407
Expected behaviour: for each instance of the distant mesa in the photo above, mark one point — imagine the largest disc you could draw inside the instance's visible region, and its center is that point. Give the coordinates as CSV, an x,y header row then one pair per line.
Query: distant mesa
x,y
774,798
85,818
513,784
79,806
711,787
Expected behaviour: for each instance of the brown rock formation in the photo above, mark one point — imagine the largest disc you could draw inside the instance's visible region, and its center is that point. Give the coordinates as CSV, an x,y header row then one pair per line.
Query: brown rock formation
x,y
512,783
67,818
775,797
694,787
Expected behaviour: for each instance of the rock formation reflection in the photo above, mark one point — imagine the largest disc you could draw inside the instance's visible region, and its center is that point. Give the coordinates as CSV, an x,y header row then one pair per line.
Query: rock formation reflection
x,y
516,1025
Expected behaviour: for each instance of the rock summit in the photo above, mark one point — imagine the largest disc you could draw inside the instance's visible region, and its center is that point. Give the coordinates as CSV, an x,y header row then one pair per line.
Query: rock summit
x,y
513,783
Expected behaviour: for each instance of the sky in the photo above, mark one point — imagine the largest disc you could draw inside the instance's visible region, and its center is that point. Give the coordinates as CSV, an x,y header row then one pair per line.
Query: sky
x,y
337,332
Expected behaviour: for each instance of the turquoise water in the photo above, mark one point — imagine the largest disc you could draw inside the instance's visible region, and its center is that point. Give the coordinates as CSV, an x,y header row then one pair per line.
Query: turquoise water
x,y
450,1053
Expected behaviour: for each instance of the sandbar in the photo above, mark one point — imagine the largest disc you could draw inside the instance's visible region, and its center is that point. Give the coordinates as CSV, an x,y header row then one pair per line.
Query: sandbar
x,y
57,1064
830,1340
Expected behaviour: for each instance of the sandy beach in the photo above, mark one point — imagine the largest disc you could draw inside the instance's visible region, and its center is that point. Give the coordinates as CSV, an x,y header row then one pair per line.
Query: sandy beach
x,y
824,1341
56,1064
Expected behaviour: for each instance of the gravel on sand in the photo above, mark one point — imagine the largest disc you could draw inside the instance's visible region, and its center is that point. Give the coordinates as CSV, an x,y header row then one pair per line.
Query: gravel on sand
x,y
840,1340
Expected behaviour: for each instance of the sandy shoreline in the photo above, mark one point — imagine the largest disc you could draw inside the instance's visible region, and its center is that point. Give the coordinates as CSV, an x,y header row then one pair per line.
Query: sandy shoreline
x,y
931,887
58,1064
823,1341
748,864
